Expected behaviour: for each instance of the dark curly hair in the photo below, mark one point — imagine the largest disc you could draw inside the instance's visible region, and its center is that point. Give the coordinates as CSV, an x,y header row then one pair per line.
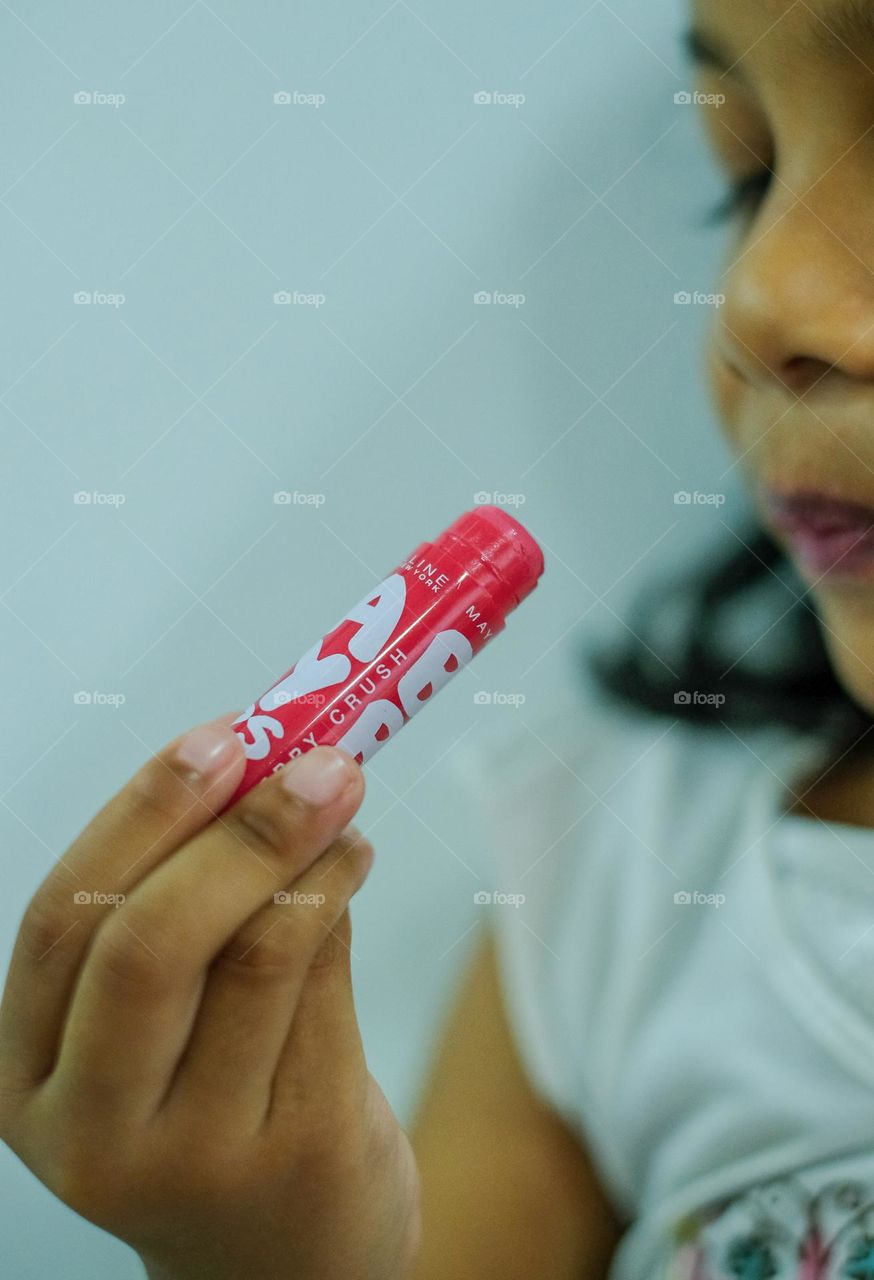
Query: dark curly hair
x,y
778,673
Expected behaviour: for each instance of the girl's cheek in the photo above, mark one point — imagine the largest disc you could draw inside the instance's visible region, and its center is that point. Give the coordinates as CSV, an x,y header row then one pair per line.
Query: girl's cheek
x,y
725,389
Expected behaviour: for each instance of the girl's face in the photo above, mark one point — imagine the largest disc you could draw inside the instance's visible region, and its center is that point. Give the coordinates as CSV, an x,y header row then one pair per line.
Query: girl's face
x,y
791,354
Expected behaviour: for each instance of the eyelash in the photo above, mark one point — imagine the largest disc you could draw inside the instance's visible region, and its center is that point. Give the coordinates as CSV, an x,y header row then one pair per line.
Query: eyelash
x,y
743,196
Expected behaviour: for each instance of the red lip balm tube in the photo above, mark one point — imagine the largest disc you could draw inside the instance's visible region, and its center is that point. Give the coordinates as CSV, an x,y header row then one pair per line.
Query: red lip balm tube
x,y
396,648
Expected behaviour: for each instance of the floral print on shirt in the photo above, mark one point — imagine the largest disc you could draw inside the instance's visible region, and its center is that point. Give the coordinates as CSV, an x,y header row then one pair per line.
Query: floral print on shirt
x,y
780,1230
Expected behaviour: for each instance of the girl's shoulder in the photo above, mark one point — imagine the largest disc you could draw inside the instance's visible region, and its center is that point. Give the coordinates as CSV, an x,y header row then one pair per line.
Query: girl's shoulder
x,y
587,779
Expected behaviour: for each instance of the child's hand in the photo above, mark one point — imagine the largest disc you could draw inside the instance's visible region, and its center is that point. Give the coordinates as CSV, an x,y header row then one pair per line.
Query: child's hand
x,y
185,1069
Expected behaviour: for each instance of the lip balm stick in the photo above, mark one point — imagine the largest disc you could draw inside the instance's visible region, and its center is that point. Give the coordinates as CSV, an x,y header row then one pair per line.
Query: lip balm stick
x,y
391,653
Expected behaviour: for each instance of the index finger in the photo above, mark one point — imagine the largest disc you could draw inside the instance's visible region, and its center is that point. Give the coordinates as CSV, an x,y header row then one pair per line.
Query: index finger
x,y
140,986
175,794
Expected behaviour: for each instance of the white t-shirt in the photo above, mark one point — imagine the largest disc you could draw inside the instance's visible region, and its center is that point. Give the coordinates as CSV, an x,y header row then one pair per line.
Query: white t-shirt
x,y
716,1055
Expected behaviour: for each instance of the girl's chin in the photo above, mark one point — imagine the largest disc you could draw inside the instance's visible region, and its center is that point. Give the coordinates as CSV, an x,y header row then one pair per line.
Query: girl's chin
x,y
848,634
851,593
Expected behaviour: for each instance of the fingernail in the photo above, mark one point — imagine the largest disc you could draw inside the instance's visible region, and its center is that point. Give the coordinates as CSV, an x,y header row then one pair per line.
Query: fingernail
x,y
319,776
205,749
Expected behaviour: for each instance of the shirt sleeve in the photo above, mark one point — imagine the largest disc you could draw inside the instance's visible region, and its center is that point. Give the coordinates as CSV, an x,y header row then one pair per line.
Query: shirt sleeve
x,y
552,891
516,800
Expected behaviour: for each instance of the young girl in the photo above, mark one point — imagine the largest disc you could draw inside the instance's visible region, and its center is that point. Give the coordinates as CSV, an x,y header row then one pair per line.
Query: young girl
x,y
662,1062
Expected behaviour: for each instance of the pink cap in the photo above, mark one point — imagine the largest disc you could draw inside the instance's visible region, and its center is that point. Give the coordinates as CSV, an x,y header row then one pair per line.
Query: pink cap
x,y
500,543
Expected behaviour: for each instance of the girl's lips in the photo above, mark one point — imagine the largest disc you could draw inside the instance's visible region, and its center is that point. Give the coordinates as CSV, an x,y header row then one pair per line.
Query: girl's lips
x,y
827,536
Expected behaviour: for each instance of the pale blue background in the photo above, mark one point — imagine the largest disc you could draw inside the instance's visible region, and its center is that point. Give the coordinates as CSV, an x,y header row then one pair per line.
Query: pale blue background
x,y
398,399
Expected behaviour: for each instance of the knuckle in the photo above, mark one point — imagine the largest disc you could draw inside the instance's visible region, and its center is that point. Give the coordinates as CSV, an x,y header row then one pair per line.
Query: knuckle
x,y
46,923
125,963
266,959
269,820
352,842
347,862
160,793
333,948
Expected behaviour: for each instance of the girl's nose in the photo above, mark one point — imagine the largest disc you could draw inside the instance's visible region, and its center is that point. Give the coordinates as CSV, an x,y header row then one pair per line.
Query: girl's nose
x,y
799,309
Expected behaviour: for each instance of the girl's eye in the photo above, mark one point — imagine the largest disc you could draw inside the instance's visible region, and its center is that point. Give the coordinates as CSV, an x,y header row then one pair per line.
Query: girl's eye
x,y
743,197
